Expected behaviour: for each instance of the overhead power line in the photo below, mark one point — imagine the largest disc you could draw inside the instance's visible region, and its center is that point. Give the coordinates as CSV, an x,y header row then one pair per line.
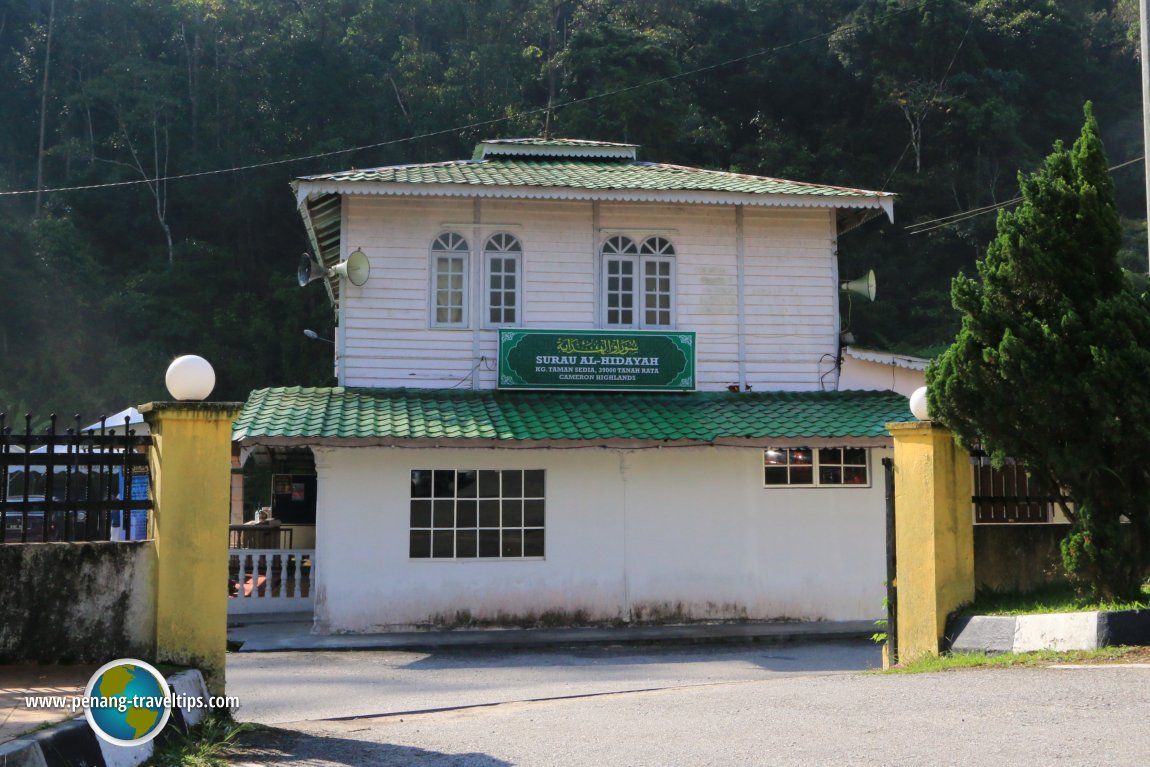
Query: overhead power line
x,y
456,129
957,218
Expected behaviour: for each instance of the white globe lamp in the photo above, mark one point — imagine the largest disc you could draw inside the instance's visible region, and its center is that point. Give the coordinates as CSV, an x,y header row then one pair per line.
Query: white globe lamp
x,y
918,406
190,378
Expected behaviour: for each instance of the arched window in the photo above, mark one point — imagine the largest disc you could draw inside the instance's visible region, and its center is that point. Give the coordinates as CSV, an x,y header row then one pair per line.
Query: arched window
x,y
657,262
503,267
619,262
639,282
449,254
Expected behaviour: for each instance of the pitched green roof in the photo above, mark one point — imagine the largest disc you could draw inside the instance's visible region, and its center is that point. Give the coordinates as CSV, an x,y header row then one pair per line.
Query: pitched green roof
x,y
591,174
336,415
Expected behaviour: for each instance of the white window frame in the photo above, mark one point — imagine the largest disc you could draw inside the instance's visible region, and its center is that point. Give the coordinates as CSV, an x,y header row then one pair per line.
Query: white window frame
x,y
656,250
639,254
815,465
442,513
502,250
447,245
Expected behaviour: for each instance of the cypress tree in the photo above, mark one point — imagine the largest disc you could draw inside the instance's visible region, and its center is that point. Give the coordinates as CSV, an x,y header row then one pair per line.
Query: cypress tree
x,y
1052,363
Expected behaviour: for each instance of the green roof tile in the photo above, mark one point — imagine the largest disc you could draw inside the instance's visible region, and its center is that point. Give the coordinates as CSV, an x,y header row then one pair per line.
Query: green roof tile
x,y
415,414
586,174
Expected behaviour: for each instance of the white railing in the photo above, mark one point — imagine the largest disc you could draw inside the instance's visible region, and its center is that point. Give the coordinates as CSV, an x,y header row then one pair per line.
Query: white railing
x,y
271,580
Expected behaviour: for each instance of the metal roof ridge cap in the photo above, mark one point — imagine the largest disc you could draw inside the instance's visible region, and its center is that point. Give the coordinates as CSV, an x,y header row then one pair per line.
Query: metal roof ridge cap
x,y
557,141
561,148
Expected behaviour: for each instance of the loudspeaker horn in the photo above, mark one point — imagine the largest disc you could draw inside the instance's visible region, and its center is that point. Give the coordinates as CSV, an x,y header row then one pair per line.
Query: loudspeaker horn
x,y
356,268
308,271
863,286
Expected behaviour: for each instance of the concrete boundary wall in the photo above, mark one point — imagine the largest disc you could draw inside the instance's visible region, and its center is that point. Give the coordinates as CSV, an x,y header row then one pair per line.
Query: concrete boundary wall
x,y
1018,557
77,602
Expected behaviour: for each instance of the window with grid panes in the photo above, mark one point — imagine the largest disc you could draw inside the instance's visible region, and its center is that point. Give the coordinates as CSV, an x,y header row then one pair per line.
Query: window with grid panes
x,y
477,513
503,254
619,261
449,254
815,467
638,282
656,258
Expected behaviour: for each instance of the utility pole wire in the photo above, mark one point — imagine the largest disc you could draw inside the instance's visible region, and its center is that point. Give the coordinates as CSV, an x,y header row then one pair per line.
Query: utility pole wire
x,y
964,215
456,129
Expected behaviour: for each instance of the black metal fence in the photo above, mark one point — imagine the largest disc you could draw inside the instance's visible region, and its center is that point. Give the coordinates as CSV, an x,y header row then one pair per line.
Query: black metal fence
x,y
76,485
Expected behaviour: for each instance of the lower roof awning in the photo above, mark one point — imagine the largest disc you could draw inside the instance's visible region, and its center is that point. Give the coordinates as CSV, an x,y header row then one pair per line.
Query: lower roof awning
x,y
349,417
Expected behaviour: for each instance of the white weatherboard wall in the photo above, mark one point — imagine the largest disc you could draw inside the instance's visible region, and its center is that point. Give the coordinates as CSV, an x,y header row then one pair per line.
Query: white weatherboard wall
x,y
673,533
790,287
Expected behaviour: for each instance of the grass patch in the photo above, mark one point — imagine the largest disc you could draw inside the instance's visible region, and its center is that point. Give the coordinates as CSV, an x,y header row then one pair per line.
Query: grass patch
x,y
208,744
1041,658
1058,598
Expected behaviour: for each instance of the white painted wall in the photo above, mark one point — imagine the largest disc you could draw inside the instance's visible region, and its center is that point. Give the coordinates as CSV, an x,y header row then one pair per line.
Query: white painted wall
x,y
686,532
878,376
791,288
302,536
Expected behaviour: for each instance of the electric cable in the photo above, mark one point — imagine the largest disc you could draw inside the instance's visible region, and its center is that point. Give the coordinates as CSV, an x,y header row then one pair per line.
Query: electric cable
x,y
445,131
965,215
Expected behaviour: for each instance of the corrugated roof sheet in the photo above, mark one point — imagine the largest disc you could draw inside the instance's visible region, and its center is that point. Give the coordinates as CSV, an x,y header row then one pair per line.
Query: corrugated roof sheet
x,y
555,142
887,358
429,414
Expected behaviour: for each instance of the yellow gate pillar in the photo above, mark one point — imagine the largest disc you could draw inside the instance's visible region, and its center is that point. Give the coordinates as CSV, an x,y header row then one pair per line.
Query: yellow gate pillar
x,y
934,533
191,492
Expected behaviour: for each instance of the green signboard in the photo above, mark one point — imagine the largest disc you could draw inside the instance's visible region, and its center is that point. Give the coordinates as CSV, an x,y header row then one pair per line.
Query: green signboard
x,y
630,360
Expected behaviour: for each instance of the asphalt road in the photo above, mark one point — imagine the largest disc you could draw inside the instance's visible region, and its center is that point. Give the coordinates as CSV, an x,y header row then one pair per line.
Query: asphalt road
x,y
727,705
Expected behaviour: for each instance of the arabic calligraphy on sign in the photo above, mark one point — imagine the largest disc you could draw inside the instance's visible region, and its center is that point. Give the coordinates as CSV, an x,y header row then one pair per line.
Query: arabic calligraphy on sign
x,y
597,345
625,360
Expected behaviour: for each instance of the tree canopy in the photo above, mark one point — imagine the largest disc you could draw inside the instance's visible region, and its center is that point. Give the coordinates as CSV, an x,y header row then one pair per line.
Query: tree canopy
x,y
1050,364
938,100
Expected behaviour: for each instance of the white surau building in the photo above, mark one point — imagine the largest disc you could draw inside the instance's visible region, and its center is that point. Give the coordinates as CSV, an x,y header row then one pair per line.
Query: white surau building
x,y
580,385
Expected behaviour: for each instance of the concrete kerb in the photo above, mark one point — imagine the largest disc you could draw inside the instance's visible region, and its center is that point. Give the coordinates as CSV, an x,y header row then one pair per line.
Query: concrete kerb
x,y
21,753
1053,631
990,634
74,743
295,637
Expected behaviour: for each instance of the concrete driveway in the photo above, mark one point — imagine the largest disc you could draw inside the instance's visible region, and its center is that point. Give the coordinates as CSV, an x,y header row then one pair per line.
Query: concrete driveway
x,y
727,705
309,686
18,681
